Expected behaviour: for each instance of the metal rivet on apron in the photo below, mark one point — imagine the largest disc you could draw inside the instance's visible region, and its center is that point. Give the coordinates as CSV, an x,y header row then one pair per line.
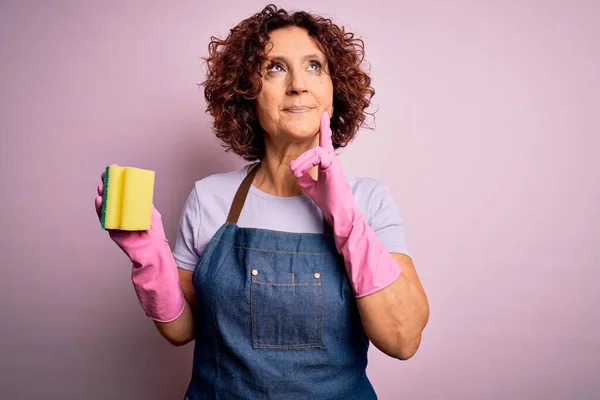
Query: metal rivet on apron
x,y
317,275
254,272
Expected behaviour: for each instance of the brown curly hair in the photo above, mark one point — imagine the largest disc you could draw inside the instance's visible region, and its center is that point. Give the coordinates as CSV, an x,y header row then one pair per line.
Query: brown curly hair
x,y
234,78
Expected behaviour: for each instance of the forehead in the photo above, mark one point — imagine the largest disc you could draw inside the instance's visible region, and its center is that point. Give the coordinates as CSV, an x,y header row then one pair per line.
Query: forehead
x,y
291,42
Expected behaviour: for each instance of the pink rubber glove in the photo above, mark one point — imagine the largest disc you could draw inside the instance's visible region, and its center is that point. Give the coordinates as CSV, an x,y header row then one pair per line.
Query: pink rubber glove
x,y
154,273
368,263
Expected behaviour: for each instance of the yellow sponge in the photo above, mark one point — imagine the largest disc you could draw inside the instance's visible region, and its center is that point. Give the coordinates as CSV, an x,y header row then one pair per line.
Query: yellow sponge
x,y
127,199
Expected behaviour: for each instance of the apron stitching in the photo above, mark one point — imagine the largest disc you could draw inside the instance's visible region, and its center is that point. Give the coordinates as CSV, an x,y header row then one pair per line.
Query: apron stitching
x,y
254,328
288,346
287,284
320,314
274,251
294,309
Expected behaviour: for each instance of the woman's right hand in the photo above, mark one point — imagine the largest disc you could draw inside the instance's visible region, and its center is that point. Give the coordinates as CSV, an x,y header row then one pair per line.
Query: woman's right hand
x,y
154,274
129,240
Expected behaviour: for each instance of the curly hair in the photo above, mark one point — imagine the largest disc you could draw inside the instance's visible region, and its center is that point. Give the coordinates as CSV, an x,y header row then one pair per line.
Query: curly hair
x,y
234,79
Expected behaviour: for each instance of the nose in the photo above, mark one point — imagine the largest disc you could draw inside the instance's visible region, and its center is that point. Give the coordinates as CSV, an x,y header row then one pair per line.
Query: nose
x,y
297,85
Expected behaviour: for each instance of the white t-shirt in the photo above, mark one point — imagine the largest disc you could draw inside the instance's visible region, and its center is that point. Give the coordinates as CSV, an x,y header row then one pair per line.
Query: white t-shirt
x,y
208,204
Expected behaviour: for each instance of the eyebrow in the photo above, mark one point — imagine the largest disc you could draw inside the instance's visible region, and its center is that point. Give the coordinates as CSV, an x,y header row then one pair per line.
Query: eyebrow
x,y
304,58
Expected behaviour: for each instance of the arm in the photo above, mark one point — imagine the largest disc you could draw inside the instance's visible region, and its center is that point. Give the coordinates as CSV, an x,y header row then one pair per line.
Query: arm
x,y
165,291
181,331
394,317
391,301
156,279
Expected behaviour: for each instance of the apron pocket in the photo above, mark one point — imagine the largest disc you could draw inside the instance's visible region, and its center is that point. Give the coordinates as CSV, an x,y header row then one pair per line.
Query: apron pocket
x,y
286,309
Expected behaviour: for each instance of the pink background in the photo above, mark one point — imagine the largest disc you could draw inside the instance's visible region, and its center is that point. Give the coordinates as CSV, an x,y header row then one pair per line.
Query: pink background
x,y
486,132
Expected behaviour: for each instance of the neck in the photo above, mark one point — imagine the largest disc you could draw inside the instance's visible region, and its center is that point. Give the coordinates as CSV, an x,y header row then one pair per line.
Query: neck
x,y
274,176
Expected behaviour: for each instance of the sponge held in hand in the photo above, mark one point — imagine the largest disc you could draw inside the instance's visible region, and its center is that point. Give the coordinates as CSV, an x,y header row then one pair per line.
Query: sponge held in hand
x,y
127,199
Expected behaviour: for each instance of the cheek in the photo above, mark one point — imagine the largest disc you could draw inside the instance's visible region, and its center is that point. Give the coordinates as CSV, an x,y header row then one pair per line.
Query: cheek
x,y
268,100
264,107
324,93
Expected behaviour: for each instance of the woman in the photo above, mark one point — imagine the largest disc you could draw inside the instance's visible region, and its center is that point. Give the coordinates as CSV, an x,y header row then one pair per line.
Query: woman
x,y
283,271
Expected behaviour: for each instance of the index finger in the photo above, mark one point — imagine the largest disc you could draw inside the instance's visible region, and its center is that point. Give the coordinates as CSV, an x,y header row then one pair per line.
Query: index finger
x,y
325,133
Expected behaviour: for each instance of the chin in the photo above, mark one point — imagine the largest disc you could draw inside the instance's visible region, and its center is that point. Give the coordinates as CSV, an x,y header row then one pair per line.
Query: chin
x,y
301,135
300,131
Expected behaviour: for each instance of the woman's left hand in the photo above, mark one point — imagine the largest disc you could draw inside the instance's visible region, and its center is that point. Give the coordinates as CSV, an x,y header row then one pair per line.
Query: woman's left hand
x,y
330,191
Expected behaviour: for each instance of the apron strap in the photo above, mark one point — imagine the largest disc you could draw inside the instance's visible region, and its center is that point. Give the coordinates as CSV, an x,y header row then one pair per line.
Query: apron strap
x,y
241,194
240,198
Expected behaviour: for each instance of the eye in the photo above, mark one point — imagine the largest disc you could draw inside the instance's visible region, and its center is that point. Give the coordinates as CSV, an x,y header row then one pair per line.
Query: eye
x,y
315,65
276,68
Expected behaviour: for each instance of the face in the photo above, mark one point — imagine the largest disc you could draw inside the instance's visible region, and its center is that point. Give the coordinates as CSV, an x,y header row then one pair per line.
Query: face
x,y
296,87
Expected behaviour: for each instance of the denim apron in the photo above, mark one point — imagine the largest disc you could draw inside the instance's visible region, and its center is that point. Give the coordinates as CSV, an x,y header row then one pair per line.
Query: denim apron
x,y
275,317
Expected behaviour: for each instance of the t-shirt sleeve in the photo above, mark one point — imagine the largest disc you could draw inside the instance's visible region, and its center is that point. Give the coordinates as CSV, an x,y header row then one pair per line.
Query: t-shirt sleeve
x,y
385,219
185,251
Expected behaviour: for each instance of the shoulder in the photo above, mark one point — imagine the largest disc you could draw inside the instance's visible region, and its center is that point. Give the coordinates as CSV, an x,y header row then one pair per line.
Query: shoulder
x,y
365,186
204,211
216,191
370,195
210,197
377,203
220,183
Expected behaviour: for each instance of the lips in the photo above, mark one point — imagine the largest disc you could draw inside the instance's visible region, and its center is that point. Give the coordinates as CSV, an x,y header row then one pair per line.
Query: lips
x,y
298,109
